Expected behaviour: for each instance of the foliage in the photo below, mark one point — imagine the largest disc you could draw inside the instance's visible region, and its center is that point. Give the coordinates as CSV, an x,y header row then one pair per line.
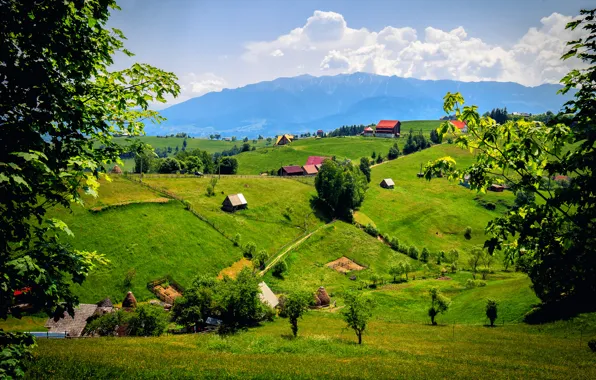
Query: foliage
x,y
169,165
15,348
406,268
365,168
237,239
106,324
260,259
280,268
227,165
295,305
347,130
357,312
341,186
237,300
393,152
379,158
592,344
561,255
417,142
371,230
468,232
249,249
413,252
58,99
148,320
491,310
435,137
424,255
476,258
523,198
196,304
144,161
395,271
475,283
439,304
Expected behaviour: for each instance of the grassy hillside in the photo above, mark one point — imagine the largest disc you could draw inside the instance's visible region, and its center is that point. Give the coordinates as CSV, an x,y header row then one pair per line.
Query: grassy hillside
x,y
210,146
429,214
152,239
325,349
264,222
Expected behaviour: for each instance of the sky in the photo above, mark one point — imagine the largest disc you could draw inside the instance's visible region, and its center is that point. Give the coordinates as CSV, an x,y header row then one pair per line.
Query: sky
x,y
211,45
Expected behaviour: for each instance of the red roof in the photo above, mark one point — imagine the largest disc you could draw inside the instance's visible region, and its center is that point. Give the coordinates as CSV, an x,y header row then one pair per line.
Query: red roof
x,y
368,129
292,169
320,131
18,292
387,125
315,160
458,124
561,178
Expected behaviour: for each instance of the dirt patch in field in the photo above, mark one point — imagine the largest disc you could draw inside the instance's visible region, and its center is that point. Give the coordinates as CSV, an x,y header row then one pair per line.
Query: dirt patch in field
x,y
167,293
343,265
444,278
235,268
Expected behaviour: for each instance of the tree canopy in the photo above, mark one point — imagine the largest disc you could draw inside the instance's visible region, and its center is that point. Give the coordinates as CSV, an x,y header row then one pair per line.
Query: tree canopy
x,y
341,186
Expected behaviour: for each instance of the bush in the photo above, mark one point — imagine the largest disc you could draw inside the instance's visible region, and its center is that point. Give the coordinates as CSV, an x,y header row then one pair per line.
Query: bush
x,y
210,191
592,345
453,267
394,242
468,232
484,272
148,320
169,165
250,249
280,268
106,325
491,310
237,239
475,283
413,252
371,230
424,255
260,259
129,276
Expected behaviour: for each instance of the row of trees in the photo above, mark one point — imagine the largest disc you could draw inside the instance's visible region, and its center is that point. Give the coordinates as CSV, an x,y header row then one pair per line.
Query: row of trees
x,y
347,130
187,161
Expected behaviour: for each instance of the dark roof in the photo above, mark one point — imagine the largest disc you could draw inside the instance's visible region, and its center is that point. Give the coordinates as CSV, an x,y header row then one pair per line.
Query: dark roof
x,y
292,169
386,125
315,160
105,303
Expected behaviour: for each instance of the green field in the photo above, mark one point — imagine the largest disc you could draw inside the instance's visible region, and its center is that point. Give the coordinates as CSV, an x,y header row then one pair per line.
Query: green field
x,y
325,349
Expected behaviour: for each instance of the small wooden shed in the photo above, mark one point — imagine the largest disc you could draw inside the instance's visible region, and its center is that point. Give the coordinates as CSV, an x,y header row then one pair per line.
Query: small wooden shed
x,y
291,170
387,183
497,188
234,202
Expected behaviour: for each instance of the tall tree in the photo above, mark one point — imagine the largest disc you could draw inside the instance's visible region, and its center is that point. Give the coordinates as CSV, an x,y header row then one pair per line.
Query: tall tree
x,y
357,312
341,186
552,237
59,103
295,306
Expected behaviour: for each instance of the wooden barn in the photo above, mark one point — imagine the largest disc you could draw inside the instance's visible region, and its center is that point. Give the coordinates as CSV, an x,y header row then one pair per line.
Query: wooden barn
x,y
234,202
310,170
387,183
292,170
388,128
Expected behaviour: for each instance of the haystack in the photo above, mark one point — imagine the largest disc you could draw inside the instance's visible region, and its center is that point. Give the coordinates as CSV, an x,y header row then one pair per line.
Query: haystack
x,y
323,297
116,170
130,302
105,303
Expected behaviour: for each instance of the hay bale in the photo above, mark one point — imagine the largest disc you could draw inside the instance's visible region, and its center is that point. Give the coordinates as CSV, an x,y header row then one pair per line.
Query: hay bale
x,y
130,302
116,170
317,301
323,296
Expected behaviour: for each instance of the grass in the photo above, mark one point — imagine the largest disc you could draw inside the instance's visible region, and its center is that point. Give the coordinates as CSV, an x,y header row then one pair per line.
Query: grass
x,y
325,349
264,222
211,146
429,214
154,240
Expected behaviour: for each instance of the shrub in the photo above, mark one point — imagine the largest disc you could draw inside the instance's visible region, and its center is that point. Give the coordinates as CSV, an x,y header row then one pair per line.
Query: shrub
x,y
169,165
592,345
237,239
280,268
453,256
424,255
260,259
475,283
468,232
379,159
210,191
484,272
491,311
374,279
453,267
371,230
413,252
394,242
249,249
106,325
439,304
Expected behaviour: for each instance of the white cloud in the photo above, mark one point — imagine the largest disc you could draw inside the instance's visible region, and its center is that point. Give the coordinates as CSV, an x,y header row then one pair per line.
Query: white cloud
x,y
193,85
327,44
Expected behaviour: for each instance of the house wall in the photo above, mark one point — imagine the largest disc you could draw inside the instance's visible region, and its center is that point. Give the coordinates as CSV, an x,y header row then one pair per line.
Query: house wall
x,y
385,135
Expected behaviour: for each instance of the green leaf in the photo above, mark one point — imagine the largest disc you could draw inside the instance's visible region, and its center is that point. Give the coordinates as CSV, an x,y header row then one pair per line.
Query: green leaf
x,y
20,180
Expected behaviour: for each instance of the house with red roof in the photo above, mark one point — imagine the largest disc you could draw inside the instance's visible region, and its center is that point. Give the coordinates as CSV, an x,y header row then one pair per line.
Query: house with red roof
x,y
315,160
320,133
388,128
461,125
368,132
290,171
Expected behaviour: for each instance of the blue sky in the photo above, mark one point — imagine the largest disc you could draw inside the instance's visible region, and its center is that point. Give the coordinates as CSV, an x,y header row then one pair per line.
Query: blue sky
x,y
212,45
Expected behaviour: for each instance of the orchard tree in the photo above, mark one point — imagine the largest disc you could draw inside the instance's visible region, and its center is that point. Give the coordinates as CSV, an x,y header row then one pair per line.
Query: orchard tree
x,y
395,271
476,258
357,312
61,107
294,307
491,311
439,304
552,237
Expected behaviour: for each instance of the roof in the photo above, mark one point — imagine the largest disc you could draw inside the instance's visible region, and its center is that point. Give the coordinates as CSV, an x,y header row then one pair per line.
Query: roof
x,y
315,160
368,129
561,178
289,137
105,303
129,300
386,125
320,131
388,181
310,169
73,326
237,199
292,169
458,124
267,295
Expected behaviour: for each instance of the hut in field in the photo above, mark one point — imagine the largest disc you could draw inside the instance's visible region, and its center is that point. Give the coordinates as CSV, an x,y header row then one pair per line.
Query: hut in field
x,y
116,170
234,202
387,183
130,302
284,139
368,132
310,170
496,187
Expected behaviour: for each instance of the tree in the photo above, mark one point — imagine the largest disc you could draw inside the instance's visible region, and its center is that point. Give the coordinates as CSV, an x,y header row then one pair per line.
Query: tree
x,y
295,305
395,270
260,259
424,255
357,312
379,158
245,140
280,268
196,304
249,249
184,144
491,311
237,300
393,152
439,304
228,165
148,320
61,106
405,268
435,137
413,252
373,155
169,165
233,138
143,162
468,233
365,168
341,186
476,257
560,256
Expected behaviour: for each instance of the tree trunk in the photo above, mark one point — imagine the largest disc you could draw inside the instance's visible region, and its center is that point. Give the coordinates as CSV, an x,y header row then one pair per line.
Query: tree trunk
x,y
359,337
432,320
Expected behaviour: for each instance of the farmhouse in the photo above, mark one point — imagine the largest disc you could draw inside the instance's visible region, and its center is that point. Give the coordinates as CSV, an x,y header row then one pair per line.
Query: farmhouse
x,y
72,326
387,183
234,202
284,139
388,128
290,171
461,125
310,170
315,160
368,132
320,133
267,296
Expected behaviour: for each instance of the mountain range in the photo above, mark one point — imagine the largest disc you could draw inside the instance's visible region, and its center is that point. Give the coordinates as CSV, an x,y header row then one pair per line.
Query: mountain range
x,y
306,103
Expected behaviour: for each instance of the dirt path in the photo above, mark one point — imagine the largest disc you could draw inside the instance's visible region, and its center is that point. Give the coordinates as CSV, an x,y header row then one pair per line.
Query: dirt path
x,y
288,249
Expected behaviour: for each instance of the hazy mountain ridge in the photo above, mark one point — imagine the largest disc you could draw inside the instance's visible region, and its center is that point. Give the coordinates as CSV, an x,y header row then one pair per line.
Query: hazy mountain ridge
x,y
306,103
